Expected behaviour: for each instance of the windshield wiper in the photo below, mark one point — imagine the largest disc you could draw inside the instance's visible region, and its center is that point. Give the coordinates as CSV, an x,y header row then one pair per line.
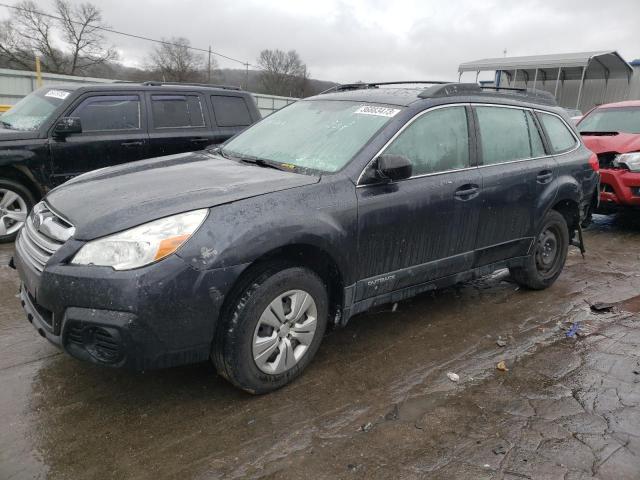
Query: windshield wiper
x,y
260,162
7,125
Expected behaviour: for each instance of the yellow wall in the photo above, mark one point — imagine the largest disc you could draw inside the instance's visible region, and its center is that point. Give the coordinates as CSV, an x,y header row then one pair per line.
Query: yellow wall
x,y
4,108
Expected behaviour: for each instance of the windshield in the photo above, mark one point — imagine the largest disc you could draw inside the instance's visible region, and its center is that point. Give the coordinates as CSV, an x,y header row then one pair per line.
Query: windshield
x,y
321,135
32,110
620,119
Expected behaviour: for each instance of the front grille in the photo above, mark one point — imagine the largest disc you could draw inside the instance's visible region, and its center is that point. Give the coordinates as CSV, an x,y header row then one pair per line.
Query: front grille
x,y
45,315
43,234
605,159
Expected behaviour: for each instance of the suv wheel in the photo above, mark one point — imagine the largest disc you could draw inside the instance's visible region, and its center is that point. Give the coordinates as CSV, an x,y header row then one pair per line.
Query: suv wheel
x,y
543,267
272,329
15,203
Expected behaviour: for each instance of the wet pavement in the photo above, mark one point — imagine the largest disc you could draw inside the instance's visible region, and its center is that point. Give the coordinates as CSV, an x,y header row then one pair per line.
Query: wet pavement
x,y
375,403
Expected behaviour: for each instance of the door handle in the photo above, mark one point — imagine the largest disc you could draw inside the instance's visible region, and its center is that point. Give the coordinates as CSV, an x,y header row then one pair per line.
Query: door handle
x,y
132,144
545,176
467,192
199,140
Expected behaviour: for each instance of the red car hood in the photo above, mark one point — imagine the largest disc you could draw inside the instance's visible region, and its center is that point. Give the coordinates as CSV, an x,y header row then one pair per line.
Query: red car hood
x,y
618,142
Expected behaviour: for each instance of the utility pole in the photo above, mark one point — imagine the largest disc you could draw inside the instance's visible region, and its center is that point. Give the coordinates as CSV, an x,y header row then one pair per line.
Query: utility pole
x,y
209,67
38,73
246,76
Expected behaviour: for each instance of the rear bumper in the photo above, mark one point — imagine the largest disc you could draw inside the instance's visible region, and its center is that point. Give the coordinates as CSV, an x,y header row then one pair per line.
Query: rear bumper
x,y
619,188
158,316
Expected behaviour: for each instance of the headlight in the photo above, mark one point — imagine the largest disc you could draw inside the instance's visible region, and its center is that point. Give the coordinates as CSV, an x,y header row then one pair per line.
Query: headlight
x,y
141,245
629,160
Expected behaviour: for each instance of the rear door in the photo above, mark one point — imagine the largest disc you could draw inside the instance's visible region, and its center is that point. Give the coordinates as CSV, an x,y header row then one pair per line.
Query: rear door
x,y
516,172
422,228
231,114
563,143
113,131
179,122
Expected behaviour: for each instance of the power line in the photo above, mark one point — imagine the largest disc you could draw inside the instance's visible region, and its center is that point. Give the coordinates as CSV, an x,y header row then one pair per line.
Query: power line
x,y
139,37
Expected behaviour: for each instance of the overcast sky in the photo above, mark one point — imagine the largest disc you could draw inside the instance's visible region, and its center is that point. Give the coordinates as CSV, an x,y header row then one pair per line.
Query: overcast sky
x,y
350,40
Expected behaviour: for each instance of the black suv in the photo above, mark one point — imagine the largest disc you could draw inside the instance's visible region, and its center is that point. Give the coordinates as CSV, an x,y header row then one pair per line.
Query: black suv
x,y
330,206
56,133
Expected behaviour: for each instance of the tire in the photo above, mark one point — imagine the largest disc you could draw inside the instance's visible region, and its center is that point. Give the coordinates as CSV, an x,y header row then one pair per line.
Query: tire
x,y
545,264
16,201
252,324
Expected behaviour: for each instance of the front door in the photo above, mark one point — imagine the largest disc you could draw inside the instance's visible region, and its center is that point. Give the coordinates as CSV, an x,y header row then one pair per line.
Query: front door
x,y
515,171
422,228
113,132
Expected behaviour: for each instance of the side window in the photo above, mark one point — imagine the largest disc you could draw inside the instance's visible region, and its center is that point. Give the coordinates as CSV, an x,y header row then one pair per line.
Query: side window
x,y
230,111
435,142
109,112
560,136
507,134
537,147
176,111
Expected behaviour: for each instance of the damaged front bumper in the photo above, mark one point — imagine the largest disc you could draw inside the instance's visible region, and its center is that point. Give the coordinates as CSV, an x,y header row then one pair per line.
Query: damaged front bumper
x,y
619,188
157,316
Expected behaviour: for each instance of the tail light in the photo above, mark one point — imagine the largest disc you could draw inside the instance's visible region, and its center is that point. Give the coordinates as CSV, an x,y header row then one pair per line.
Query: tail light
x,y
593,162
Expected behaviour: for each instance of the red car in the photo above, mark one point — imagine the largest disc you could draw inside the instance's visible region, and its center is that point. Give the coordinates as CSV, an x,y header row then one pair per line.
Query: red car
x,y
612,132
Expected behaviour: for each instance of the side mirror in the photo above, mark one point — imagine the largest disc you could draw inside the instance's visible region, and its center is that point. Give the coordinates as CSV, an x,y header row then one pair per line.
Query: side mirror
x,y
393,167
67,125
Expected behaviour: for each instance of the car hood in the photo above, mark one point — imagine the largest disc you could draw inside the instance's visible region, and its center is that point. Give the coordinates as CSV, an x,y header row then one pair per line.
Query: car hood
x,y
6,135
613,142
113,199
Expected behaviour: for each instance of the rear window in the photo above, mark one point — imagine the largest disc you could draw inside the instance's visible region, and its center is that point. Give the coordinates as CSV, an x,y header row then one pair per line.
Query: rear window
x,y
508,134
231,111
177,111
560,136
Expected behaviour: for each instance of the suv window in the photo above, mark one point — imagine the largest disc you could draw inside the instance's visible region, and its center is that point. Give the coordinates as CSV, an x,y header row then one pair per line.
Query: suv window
x,y
508,134
560,136
177,111
109,112
230,111
435,142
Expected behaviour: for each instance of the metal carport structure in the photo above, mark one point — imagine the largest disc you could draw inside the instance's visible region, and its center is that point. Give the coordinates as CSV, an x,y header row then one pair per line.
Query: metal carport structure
x,y
565,75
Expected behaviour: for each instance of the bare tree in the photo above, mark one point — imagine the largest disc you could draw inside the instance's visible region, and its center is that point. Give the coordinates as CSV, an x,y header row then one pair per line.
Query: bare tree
x,y
67,45
283,73
176,62
81,30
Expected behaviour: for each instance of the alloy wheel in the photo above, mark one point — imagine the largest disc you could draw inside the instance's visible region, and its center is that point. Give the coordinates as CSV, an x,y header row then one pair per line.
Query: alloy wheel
x,y
13,211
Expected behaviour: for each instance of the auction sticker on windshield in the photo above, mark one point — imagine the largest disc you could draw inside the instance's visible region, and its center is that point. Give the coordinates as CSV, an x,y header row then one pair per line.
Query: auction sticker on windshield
x,y
61,94
376,110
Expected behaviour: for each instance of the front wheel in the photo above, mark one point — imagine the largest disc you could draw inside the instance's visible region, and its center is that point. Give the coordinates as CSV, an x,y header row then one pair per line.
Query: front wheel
x,y
272,329
15,203
545,264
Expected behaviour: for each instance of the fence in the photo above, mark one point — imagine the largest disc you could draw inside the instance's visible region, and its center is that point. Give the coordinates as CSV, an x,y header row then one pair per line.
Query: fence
x,y
267,104
15,84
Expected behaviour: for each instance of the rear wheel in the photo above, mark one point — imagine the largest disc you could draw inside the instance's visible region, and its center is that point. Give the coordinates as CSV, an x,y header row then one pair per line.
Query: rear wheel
x,y
545,264
15,203
272,328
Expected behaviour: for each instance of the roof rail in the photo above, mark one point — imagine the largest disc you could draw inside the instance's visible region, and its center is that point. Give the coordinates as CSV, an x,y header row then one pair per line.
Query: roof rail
x,y
365,85
451,89
152,83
